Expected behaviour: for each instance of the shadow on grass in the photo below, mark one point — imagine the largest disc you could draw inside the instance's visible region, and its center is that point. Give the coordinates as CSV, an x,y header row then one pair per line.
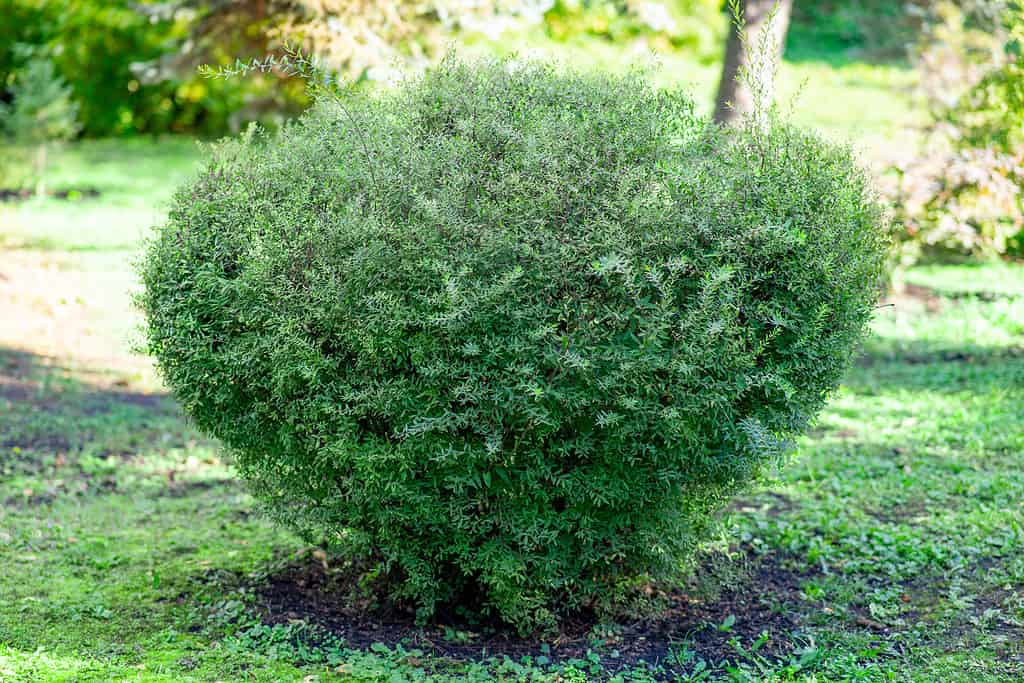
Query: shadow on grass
x,y
883,351
71,431
28,376
52,406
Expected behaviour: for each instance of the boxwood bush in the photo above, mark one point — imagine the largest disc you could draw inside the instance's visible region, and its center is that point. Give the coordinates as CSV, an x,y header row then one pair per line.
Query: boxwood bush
x,y
515,332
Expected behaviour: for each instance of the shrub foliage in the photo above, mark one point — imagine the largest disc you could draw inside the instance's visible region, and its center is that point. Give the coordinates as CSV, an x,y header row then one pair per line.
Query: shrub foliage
x,y
516,332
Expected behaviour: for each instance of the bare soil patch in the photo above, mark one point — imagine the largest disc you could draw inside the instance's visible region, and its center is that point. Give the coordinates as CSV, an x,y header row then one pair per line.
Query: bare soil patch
x,y
914,295
53,307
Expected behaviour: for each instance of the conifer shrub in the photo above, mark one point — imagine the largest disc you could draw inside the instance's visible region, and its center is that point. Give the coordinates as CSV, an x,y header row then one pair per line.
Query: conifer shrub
x,y
516,333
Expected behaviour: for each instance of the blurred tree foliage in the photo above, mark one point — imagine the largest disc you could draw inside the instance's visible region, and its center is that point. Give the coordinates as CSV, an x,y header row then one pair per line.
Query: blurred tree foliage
x,y
698,26
131,63
991,112
98,46
874,30
369,38
91,44
362,38
963,193
868,29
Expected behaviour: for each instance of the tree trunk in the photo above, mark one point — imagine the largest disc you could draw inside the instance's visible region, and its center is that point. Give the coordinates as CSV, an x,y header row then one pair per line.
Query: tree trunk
x,y
39,165
735,97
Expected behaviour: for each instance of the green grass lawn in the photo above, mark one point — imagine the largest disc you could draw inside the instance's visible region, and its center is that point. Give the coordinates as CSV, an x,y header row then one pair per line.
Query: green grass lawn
x,y
135,179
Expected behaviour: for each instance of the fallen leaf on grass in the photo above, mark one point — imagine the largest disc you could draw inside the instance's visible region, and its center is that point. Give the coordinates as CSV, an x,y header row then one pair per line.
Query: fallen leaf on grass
x,y
871,623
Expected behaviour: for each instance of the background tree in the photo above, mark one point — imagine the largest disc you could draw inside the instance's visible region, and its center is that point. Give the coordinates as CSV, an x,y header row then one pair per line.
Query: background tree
x,y
42,112
361,38
752,54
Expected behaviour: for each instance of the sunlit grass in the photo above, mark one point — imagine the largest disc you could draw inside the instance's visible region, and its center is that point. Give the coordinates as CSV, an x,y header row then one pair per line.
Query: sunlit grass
x,y
994,278
135,179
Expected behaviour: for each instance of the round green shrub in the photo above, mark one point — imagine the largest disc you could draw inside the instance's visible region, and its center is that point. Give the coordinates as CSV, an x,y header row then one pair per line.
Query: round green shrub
x,y
517,333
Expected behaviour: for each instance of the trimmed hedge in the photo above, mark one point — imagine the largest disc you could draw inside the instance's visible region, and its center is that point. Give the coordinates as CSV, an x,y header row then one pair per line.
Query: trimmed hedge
x,y
518,333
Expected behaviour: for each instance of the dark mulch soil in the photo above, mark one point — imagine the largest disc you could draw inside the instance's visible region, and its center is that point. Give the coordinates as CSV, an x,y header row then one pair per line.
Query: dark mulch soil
x,y
12,194
766,599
